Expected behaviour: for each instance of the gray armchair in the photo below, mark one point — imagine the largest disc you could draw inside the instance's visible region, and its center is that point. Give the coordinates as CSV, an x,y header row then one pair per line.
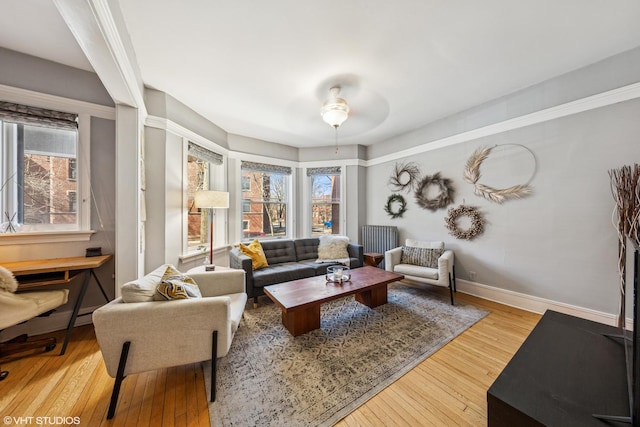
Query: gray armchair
x,y
136,337
442,275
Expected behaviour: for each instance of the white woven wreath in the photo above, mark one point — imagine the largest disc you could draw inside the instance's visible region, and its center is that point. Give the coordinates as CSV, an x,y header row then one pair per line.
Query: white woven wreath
x,y
472,175
477,222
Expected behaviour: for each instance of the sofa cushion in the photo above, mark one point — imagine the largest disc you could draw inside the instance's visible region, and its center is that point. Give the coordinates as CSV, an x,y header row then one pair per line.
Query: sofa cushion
x,y
333,248
284,272
424,257
255,251
416,271
238,302
319,268
144,289
307,248
279,251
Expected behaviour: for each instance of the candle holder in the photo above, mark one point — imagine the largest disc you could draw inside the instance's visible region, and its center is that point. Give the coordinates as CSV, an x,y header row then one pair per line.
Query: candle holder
x,y
338,274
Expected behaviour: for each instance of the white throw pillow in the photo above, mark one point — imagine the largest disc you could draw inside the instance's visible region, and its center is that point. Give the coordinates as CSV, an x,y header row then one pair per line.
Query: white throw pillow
x,y
143,289
333,248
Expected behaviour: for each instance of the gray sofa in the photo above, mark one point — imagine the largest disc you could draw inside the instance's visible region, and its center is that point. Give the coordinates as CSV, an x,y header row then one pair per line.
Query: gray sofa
x,y
288,260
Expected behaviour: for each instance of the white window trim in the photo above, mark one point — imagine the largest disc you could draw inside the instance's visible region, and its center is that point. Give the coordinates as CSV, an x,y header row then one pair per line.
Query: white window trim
x,y
85,111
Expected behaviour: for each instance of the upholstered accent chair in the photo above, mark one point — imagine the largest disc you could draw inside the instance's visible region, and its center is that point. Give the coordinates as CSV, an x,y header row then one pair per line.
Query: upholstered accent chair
x,y
143,336
16,308
424,262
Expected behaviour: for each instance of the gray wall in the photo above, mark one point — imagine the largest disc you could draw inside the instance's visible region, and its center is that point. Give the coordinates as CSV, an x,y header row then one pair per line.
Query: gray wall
x,y
28,72
558,243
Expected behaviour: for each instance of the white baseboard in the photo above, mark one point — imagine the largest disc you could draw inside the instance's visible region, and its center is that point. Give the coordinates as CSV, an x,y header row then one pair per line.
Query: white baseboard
x,y
533,303
42,325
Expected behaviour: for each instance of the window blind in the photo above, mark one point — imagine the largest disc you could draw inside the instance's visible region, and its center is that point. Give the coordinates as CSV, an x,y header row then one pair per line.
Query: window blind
x,y
204,154
264,167
329,170
24,114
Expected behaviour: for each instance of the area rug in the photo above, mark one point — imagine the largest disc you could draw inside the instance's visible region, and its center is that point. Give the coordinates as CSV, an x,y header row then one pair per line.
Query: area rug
x,y
270,378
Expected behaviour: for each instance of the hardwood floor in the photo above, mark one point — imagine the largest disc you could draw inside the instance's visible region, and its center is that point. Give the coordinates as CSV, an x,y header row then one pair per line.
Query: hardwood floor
x,y
449,388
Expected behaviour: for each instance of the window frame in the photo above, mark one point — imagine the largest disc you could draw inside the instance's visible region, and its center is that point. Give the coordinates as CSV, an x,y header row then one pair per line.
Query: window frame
x,y
330,203
289,191
81,230
307,197
217,175
85,111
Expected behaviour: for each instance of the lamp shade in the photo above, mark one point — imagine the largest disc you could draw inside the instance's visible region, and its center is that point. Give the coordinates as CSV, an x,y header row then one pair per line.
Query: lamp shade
x,y
211,199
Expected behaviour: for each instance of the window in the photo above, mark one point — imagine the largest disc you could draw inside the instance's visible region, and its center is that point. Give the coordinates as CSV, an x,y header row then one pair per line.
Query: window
x,y
246,183
325,200
197,219
37,149
202,173
72,169
73,201
265,203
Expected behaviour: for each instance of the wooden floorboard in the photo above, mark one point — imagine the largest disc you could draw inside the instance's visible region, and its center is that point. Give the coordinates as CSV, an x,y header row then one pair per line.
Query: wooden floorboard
x,y
449,388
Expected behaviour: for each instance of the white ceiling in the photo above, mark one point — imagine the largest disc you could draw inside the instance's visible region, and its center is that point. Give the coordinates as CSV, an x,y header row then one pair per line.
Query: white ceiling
x,y
262,69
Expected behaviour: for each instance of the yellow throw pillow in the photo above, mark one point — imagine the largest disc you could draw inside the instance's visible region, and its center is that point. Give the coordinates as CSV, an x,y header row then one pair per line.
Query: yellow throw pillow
x,y
254,251
175,285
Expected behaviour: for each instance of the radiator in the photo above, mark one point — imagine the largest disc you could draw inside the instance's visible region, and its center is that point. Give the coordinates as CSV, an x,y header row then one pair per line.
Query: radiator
x,y
379,238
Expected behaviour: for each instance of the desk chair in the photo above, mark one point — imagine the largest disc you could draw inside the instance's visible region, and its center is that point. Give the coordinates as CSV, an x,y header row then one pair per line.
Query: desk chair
x,y
21,307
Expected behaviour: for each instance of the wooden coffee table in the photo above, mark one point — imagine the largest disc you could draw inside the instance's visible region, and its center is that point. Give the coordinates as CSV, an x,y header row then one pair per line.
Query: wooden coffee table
x,y
300,300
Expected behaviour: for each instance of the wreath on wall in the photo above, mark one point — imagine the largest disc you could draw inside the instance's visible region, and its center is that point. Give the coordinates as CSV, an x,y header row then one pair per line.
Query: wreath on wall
x,y
404,176
397,201
477,222
444,198
472,175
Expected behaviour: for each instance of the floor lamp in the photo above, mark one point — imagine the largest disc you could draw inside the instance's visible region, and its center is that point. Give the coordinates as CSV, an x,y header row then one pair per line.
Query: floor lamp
x,y
211,199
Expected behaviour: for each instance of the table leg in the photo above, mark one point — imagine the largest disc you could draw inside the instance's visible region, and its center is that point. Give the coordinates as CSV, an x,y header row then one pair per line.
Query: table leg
x,y
95,277
373,297
301,321
76,309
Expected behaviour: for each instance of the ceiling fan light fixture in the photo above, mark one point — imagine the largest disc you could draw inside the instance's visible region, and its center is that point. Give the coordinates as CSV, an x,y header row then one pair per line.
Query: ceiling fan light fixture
x,y
335,110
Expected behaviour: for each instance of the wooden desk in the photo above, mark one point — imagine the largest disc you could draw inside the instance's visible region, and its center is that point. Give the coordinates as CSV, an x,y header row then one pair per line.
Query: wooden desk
x,y
55,271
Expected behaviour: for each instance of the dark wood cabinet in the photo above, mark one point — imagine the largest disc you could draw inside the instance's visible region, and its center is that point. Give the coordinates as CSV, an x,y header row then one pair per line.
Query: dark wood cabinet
x,y
565,371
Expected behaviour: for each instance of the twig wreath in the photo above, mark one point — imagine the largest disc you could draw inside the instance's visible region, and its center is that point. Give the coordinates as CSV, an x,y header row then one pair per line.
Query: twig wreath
x,y
444,198
477,222
396,200
472,175
404,176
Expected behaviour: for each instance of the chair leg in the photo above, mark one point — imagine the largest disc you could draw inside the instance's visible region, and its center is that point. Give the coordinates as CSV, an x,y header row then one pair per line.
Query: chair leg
x,y
119,377
453,268
255,302
451,288
214,363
